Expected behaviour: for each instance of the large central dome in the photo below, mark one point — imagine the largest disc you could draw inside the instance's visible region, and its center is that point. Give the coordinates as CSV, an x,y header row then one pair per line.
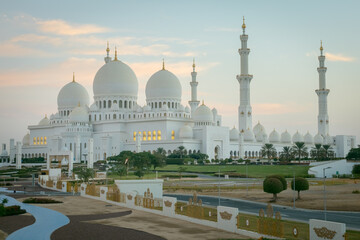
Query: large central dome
x,y
115,78
163,84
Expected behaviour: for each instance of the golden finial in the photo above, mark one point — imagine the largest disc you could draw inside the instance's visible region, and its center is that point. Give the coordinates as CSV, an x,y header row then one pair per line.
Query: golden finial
x,y
243,26
203,102
108,49
193,63
73,76
115,54
163,65
321,47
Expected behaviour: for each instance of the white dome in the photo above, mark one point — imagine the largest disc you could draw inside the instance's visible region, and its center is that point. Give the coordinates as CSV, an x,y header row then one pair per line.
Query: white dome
x,y
203,114
26,140
115,78
71,95
187,109
318,139
297,137
328,140
285,137
259,129
249,135
308,138
259,137
45,121
274,136
79,114
163,84
234,134
186,132
94,107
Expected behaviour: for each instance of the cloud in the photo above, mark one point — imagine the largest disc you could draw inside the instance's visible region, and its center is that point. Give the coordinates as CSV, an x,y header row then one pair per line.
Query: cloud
x,y
338,58
275,108
60,27
34,38
9,49
222,29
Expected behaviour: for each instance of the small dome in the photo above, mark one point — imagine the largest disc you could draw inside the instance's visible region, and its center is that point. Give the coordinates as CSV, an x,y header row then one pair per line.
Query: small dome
x,y
115,78
203,114
274,137
187,109
259,129
318,139
297,137
329,140
45,121
308,138
214,111
163,84
94,107
234,134
260,137
186,132
26,140
71,95
249,135
79,114
285,137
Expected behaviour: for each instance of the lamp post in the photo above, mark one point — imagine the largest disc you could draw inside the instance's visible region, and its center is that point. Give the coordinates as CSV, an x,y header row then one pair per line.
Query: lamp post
x,y
325,192
219,185
294,188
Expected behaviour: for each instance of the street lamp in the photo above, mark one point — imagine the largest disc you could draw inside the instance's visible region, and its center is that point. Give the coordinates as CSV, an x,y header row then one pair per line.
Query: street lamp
x,y
325,192
294,187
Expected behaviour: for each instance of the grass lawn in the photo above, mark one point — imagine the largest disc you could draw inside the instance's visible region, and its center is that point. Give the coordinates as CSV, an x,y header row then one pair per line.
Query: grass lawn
x,y
258,171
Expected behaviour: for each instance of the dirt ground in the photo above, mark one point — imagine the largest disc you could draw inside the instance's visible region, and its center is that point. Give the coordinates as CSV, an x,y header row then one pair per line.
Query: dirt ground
x,y
163,227
339,196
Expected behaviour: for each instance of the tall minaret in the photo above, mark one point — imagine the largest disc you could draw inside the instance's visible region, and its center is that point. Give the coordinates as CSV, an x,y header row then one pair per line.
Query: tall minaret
x,y
107,58
322,92
194,103
245,110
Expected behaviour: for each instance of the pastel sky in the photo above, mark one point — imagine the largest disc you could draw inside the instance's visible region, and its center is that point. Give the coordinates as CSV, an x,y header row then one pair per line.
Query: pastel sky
x,y
43,42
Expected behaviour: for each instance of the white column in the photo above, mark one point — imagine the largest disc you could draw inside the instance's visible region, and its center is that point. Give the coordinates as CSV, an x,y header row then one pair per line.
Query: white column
x,y
138,142
322,92
194,103
48,161
90,163
18,155
77,151
71,159
241,145
244,79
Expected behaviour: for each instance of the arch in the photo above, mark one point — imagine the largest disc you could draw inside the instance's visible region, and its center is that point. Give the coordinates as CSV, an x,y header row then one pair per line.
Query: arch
x,y
155,104
245,153
114,116
217,152
125,104
120,104
160,104
172,105
114,102
104,104
100,117
169,152
109,104
190,152
130,104
231,153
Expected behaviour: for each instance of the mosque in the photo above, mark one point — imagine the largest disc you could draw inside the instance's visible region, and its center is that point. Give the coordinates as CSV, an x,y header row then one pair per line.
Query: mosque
x,y
115,122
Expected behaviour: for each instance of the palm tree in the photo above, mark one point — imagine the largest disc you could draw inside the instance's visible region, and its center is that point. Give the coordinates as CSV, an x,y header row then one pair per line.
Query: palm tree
x,y
268,150
328,151
286,154
300,149
160,151
181,151
316,151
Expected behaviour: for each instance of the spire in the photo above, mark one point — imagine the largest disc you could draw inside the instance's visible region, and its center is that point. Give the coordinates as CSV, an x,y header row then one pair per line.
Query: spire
x,y
107,49
193,65
115,54
243,26
163,68
321,48
73,76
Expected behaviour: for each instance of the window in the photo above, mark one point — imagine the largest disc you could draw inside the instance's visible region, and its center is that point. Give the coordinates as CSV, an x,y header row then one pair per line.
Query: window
x,y
120,104
168,104
172,135
104,104
134,136
114,116
125,104
159,135
149,135
130,104
109,104
154,135
45,140
38,140
144,136
34,141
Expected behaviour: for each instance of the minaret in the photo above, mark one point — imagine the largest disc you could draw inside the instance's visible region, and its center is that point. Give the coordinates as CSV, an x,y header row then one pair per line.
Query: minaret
x,y
194,103
322,92
245,110
107,58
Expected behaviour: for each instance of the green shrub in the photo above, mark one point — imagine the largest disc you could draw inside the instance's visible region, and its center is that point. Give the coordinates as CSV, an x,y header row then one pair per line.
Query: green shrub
x,y
301,184
356,169
356,191
175,161
11,210
274,186
281,179
40,200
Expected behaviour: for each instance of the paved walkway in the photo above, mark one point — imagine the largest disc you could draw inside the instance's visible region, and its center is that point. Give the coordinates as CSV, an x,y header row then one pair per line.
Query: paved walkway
x,y
47,221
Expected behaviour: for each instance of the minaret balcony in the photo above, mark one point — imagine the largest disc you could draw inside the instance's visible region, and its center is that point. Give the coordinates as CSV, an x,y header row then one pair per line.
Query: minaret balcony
x,y
244,77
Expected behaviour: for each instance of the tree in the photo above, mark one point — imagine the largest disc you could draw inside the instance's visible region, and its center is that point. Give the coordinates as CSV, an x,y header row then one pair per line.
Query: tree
x,y
281,179
316,152
286,155
301,184
274,186
268,150
4,201
181,170
159,158
181,151
353,154
84,173
328,151
356,169
118,169
300,150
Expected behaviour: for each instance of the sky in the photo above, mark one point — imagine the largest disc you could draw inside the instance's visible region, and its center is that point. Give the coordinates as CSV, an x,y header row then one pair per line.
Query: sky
x,y
43,42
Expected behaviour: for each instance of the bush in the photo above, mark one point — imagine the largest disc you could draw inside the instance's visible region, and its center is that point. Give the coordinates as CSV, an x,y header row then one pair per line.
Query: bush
x,y
175,161
274,186
301,184
281,179
356,191
11,210
356,169
40,200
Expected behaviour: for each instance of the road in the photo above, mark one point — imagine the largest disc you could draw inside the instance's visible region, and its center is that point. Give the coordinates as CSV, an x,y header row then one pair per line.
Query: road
x,y
351,219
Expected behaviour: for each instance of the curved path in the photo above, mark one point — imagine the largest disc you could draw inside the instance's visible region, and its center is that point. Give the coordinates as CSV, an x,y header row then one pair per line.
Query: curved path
x,y
46,222
351,219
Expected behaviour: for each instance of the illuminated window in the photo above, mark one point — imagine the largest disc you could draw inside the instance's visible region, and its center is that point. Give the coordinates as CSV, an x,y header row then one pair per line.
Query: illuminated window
x,y
144,136
34,141
41,140
134,136
154,135
45,141
159,135
149,135
172,135
38,140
